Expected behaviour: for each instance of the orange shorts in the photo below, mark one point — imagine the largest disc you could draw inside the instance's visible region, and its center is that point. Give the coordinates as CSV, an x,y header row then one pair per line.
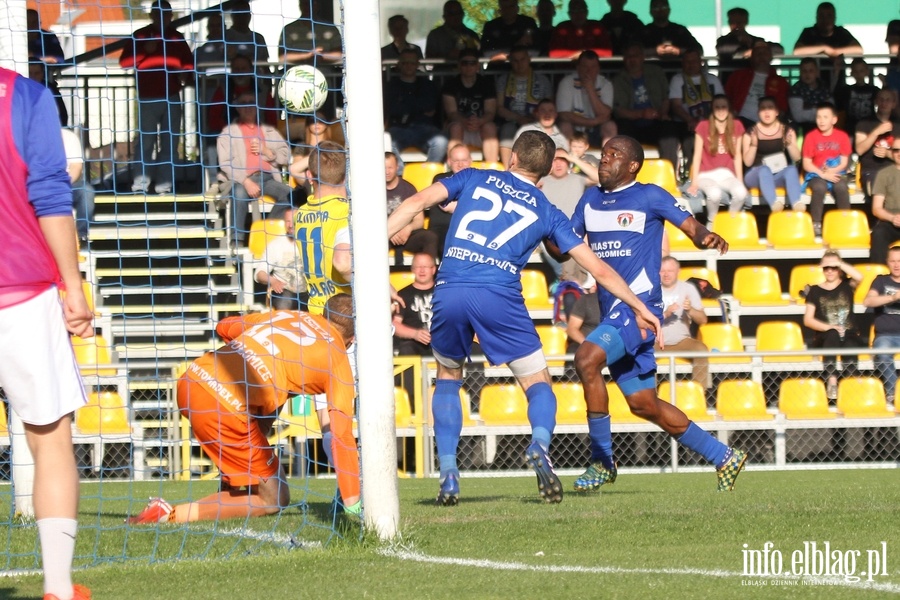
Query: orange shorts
x,y
233,441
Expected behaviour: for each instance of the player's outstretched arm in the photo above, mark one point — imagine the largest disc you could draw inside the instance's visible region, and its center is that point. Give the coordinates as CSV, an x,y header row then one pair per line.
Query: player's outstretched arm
x,y
414,205
702,237
59,231
614,284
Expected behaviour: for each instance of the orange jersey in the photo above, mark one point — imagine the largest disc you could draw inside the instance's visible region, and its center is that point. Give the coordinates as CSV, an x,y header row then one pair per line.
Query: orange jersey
x,y
271,356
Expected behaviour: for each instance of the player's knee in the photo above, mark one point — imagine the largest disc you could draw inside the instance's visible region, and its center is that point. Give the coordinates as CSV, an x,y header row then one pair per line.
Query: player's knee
x,y
644,404
588,359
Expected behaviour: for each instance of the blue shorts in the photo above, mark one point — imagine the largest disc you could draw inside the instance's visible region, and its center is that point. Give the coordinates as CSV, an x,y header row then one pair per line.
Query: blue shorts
x,y
631,359
496,315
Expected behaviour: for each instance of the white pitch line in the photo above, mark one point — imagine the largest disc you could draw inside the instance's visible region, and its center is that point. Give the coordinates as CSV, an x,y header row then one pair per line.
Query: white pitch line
x,y
517,566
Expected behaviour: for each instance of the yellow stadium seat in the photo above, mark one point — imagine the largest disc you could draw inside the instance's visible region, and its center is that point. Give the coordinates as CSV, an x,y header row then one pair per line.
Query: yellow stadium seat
x,y
402,410
570,405
846,229
553,342
467,419
739,230
722,338
803,398
401,279
690,398
742,400
791,230
483,164
297,419
802,276
862,398
91,354
106,413
757,285
661,172
261,233
4,425
534,289
772,336
421,174
503,404
706,273
88,288
619,411
869,273
678,240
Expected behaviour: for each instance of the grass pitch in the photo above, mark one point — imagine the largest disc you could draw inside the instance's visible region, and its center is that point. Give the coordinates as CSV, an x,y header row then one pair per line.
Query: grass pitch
x,y
648,536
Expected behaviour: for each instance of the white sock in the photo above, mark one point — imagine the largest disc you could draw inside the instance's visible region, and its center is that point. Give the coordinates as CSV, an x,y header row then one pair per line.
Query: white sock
x,y
57,550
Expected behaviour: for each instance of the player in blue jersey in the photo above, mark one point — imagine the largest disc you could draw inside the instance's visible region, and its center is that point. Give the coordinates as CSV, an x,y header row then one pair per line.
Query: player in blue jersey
x,y
500,218
624,222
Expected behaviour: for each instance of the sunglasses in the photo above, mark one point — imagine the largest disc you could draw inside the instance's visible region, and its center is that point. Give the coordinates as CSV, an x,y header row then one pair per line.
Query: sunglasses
x,y
831,268
895,150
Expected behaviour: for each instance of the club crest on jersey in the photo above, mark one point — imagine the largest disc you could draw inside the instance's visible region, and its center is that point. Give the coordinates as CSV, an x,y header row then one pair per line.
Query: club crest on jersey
x,y
625,219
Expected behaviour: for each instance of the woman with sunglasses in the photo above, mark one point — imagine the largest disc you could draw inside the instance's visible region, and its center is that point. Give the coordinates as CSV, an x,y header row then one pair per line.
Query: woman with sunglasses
x,y
771,153
829,313
717,167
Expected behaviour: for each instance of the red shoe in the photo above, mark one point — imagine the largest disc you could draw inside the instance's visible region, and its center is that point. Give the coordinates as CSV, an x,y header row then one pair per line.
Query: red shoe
x,y
79,593
156,511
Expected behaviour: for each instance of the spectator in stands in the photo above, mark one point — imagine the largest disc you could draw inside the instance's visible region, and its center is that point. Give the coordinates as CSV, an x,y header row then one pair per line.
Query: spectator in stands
x,y
683,309
664,39
882,296
518,94
546,115
251,157
886,207
470,105
509,30
211,65
452,37
42,44
825,37
585,99
410,105
322,226
240,39
162,61
563,189
82,190
398,27
874,138
826,154
309,40
581,161
745,87
412,324
807,94
570,38
717,166
691,94
583,319
855,102
414,237
281,270
624,26
211,55
458,158
892,38
770,154
641,103
39,73
544,12
241,80
259,379
829,314
40,378
735,47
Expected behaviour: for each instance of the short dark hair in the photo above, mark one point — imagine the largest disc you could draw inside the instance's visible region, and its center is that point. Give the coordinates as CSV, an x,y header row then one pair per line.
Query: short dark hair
x,y
826,105
469,53
589,54
396,19
738,12
535,151
770,99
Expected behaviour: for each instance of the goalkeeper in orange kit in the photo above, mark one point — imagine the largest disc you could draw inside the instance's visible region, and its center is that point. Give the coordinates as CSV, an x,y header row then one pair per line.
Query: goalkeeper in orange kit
x,y
232,395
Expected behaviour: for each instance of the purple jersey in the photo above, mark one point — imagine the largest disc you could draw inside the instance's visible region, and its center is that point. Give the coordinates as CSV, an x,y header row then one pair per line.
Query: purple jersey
x,y
499,220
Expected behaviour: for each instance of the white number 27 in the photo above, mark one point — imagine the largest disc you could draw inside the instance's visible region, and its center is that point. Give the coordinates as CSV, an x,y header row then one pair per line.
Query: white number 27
x,y
527,218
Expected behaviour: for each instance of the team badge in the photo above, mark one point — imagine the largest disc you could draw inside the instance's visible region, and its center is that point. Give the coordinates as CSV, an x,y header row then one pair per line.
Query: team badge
x,y
625,219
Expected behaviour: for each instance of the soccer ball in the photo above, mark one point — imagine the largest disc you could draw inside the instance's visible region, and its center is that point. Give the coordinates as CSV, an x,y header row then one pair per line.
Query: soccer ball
x,y
303,89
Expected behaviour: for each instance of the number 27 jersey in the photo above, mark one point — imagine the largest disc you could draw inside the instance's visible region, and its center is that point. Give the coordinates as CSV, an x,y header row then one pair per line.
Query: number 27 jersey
x,y
499,220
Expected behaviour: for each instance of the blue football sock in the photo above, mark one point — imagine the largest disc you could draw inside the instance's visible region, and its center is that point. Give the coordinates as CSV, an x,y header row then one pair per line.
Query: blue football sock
x,y
326,445
541,413
447,412
601,441
704,444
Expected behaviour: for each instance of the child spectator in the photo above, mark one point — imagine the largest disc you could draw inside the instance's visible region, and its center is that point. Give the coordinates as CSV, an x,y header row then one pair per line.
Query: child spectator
x,y
826,153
